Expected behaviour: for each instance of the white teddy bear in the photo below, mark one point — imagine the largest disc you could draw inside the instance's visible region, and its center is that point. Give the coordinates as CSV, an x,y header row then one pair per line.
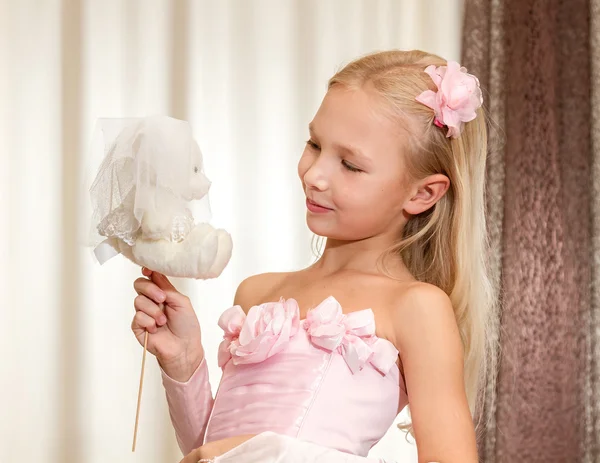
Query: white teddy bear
x,y
150,174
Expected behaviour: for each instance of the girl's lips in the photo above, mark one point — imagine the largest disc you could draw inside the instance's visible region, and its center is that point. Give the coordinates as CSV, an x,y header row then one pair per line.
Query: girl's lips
x,y
314,207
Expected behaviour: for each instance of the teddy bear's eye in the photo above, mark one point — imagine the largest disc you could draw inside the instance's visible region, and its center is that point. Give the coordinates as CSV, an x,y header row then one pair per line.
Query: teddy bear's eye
x,y
195,169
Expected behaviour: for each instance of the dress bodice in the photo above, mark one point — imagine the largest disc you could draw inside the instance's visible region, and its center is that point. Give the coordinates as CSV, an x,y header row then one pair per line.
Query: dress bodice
x,y
326,379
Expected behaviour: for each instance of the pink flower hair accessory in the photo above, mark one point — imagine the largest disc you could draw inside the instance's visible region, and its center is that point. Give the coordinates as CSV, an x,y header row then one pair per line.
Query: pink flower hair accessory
x,y
457,98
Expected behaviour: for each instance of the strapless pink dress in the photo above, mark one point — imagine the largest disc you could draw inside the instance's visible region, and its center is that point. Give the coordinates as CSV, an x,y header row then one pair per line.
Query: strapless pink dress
x,y
326,379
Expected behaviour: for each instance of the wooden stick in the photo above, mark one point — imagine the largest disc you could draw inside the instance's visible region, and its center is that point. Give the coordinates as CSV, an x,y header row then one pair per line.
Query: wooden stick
x,y
137,413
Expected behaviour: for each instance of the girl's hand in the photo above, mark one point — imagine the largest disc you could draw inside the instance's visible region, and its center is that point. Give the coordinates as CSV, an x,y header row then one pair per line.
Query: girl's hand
x,y
193,457
173,327
214,449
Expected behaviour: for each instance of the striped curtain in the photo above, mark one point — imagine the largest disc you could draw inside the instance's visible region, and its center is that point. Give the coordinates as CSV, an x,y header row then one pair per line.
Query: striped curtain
x,y
540,64
248,75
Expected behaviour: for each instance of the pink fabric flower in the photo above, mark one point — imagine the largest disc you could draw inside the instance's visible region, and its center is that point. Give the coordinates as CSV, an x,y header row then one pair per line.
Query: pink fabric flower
x,y
352,335
264,332
325,324
268,328
231,322
457,98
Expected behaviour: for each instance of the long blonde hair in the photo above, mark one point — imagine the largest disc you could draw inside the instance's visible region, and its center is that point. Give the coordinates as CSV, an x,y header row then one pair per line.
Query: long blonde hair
x,y
446,245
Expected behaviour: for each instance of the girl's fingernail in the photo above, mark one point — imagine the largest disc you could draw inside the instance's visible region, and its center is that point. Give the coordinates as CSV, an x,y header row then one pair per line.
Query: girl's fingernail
x,y
161,297
162,320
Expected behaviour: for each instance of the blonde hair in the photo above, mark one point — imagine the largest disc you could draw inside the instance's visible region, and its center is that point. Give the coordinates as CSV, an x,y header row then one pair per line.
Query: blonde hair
x,y
446,245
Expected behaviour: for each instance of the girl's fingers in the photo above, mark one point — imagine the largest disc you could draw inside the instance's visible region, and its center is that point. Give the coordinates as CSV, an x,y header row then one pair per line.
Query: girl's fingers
x,y
149,289
160,290
144,321
162,281
143,304
172,297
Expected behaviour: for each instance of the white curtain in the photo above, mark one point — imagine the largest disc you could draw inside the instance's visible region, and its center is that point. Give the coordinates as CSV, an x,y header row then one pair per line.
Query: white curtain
x,y
248,75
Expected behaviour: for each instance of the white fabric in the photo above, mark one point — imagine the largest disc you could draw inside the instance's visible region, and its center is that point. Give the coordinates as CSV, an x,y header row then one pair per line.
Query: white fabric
x,y
248,75
269,447
106,250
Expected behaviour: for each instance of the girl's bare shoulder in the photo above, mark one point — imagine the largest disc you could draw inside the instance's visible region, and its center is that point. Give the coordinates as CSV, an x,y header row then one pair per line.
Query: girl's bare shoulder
x,y
256,289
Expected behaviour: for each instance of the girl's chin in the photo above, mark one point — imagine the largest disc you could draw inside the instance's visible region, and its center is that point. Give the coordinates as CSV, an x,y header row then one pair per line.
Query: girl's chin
x,y
318,229
334,231
325,230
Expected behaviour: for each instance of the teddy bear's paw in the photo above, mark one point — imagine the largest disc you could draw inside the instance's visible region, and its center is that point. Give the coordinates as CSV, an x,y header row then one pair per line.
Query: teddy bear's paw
x,y
224,249
156,226
203,254
212,248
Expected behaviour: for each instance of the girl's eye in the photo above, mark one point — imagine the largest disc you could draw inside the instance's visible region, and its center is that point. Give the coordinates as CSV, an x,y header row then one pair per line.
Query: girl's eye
x,y
350,167
312,144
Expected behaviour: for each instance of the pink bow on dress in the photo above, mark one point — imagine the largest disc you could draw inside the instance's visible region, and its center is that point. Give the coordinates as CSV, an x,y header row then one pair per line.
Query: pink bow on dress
x,y
352,335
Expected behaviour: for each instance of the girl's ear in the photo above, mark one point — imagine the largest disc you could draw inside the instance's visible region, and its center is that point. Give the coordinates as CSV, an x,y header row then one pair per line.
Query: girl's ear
x,y
428,192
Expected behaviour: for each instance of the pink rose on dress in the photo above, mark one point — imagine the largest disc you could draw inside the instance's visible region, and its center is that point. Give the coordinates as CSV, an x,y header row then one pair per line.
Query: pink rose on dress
x,y
231,322
325,324
266,331
457,98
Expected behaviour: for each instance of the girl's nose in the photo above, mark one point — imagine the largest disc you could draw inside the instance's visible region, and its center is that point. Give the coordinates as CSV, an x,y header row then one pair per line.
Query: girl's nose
x,y
315,177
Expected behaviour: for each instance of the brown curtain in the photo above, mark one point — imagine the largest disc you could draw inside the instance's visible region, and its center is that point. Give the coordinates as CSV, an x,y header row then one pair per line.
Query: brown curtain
x,y
538,63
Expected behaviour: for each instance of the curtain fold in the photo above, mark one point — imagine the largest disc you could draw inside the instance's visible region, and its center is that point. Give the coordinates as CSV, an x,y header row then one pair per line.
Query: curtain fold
x,y
543,218
592,385
483,53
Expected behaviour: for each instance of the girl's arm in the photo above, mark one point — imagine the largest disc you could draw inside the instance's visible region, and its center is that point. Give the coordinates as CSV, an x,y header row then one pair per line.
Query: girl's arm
x,y
190,404
432,355
190,400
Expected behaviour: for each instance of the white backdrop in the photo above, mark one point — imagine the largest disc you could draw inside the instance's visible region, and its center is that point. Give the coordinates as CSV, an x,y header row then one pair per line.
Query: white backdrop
x,y
248,75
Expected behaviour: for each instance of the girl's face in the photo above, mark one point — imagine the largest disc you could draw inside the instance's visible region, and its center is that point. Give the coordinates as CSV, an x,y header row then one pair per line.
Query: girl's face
x,y
352,168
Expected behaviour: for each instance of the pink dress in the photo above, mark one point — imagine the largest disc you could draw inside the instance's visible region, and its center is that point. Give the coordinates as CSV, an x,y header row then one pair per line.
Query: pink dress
x,y
326,380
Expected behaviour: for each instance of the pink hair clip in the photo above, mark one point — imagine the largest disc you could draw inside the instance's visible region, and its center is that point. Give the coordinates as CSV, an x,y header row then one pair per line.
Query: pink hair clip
x,y
457,98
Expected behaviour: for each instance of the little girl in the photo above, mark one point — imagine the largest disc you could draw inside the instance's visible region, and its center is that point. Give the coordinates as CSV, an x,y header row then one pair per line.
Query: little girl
x,y
318,363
